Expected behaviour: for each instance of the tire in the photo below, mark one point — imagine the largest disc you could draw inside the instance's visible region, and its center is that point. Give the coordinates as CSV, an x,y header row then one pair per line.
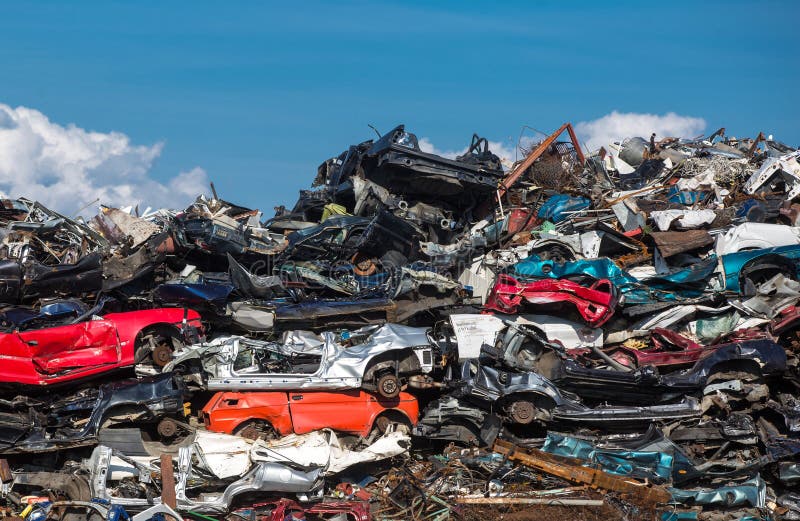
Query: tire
x,y
556,253
388,385
256,429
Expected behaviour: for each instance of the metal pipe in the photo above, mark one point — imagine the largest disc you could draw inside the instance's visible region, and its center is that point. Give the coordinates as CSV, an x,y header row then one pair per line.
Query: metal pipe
x,y
613,363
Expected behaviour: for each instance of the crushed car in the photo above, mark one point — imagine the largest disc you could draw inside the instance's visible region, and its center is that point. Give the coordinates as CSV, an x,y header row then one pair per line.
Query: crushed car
x,y
275,414
373,358
607,333
40,425
78,347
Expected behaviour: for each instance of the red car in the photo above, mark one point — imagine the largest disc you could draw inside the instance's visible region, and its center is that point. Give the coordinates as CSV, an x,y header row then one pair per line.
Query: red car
x,y
65,353
255,414
595,303
287,509
668,349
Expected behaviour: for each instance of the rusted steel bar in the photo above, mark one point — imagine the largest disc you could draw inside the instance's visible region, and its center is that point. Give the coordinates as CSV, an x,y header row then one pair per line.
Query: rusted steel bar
x,y
168,482
572,469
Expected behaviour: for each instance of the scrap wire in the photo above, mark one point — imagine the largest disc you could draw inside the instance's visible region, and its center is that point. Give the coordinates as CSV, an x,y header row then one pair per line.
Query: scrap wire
x,y
209,518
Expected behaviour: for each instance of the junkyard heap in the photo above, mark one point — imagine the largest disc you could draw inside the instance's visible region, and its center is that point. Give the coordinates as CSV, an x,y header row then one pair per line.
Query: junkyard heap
x,y
601,336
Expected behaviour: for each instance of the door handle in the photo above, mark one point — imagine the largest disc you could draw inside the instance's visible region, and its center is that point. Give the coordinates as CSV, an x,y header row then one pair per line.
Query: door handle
x,y
297,397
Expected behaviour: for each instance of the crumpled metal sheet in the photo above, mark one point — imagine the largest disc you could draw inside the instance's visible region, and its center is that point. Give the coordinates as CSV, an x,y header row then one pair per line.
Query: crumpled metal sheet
x,y
122,228
253,286
637,464
771,298
671,243
752,492
324,449
239,363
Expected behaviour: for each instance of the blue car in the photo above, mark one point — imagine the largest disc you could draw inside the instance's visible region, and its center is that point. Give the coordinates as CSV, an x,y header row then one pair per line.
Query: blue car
x,y
739,273
742,271
684,285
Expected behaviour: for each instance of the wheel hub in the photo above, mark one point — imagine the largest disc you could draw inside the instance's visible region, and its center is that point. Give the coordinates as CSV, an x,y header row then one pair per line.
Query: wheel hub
x,y
522,412
388,386
362,265
162,354
167,428
382,423
256,431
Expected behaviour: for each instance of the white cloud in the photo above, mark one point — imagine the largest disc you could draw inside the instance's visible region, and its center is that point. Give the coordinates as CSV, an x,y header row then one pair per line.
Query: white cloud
x,y
67,167
593,134
620,125
499,149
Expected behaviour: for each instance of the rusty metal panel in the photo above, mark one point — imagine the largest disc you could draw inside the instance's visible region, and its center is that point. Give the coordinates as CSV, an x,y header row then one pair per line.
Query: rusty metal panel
x,y
672,243
168,496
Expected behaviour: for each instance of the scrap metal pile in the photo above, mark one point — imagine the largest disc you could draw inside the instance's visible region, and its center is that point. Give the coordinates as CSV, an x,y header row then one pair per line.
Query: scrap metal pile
x,y
603,336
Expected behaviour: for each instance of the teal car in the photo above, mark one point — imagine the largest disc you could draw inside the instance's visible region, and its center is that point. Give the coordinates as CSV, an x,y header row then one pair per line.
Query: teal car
x,y
743,271
739,272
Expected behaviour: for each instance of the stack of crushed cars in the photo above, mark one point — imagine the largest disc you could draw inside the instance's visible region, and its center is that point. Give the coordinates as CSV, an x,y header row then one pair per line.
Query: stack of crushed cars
x,y
604,336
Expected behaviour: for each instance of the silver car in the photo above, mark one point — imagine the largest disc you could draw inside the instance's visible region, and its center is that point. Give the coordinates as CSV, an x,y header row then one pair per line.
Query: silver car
x,y
374,358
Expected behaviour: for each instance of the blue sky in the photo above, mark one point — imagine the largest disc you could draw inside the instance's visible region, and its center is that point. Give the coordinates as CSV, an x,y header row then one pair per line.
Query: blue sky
x,y
258,94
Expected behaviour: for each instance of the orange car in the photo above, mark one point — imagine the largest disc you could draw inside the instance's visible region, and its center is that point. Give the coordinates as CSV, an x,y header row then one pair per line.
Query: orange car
x,y
267,414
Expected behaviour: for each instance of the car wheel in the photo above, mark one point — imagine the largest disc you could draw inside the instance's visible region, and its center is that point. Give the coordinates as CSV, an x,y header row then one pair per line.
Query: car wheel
x,y
388,385
522,412
162,352
389,418
167,428
154,350
256,429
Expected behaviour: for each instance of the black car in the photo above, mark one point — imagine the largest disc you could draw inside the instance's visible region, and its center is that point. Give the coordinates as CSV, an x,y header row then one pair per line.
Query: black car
x,y
349,238
483,398
41,425
601,380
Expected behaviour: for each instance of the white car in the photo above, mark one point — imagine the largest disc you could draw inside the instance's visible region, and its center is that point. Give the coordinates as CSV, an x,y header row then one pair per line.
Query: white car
x,y
474,331
755,236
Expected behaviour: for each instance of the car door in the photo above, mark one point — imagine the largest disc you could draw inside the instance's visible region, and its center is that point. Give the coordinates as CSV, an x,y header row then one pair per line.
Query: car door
x,y
322,244
640,386
245,367
74,347
668,361
346,411
16,358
